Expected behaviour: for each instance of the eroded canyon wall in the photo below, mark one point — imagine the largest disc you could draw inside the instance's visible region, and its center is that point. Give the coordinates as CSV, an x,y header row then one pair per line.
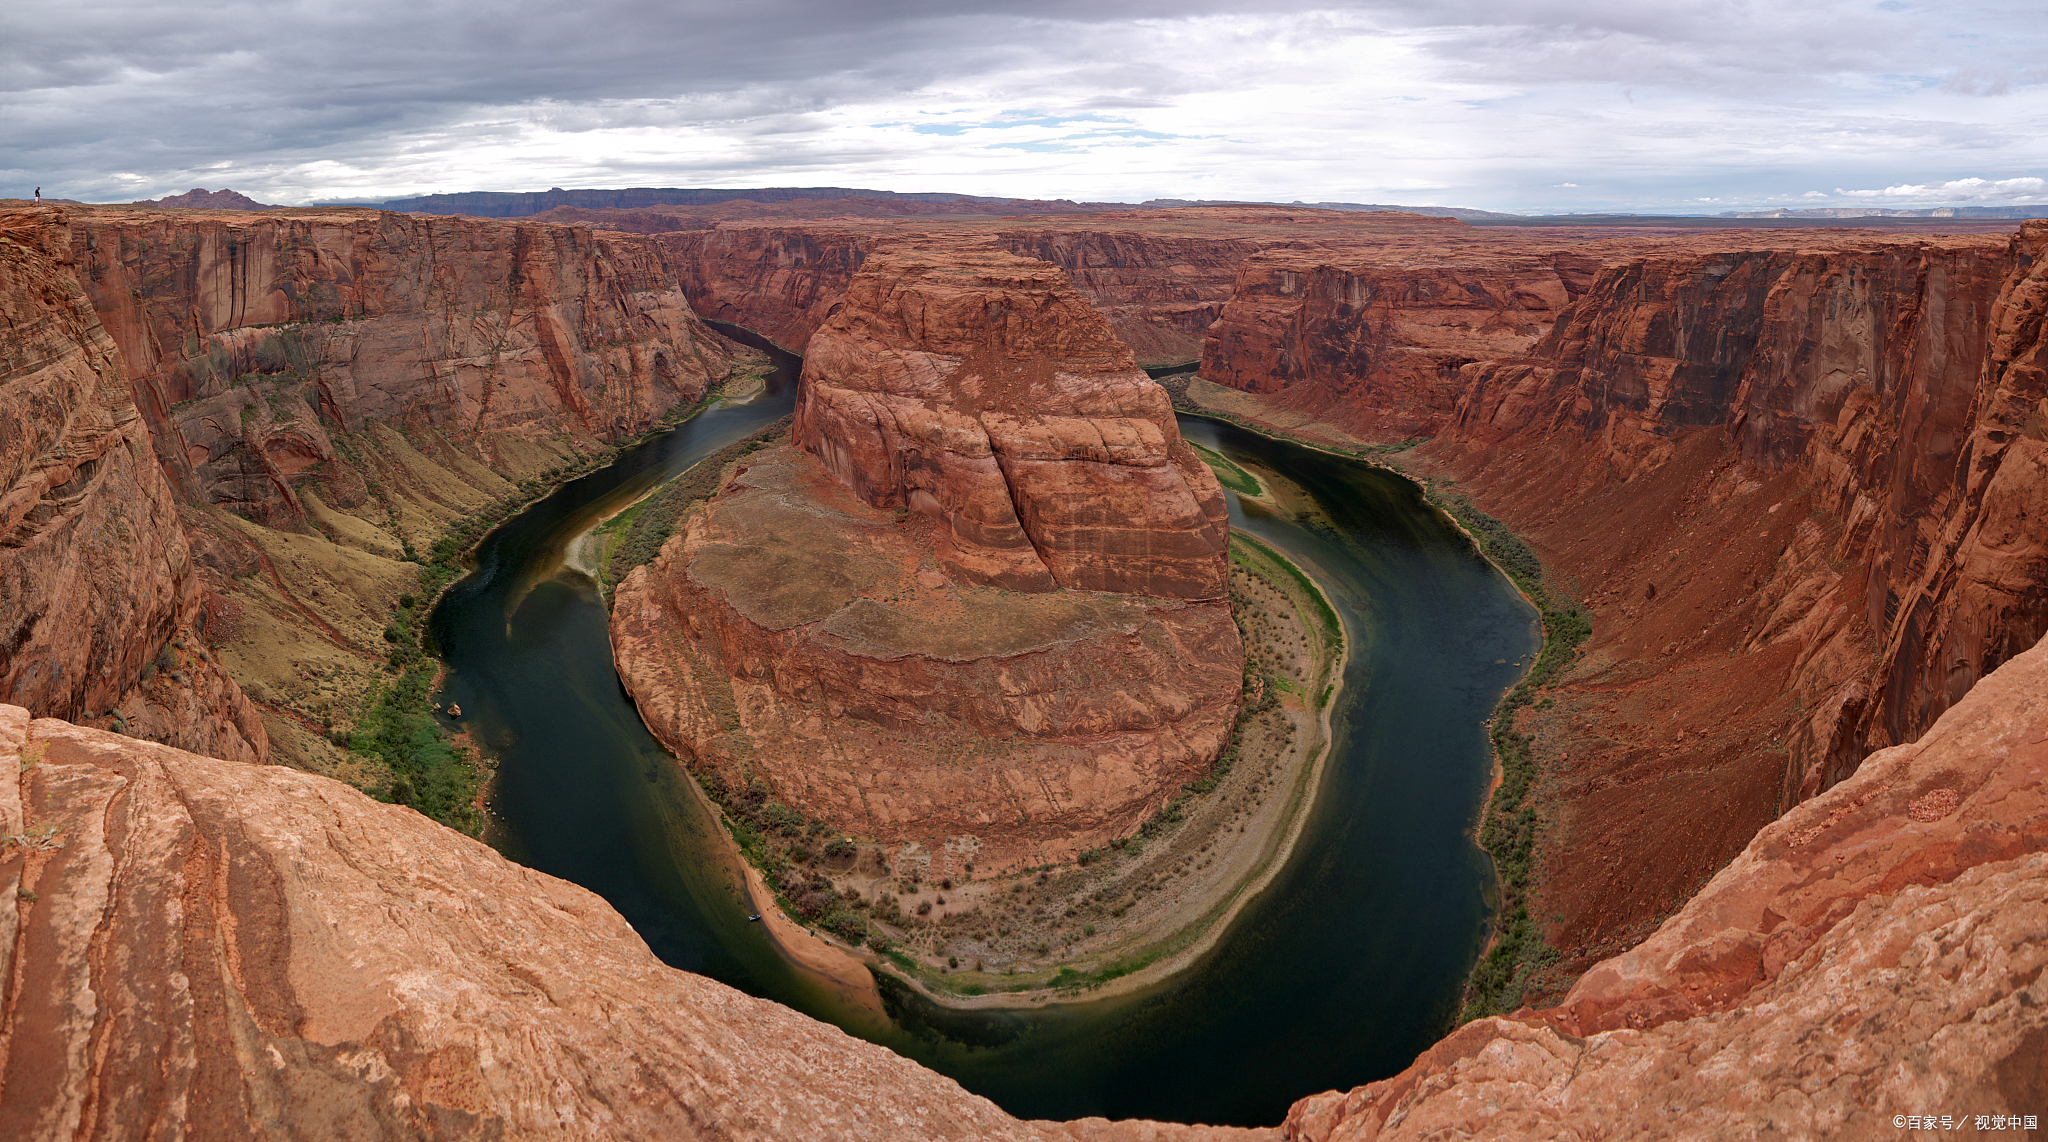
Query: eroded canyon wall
x,y
103,608
251,339
979,607
1790,480
1160,278
1372,339
327,392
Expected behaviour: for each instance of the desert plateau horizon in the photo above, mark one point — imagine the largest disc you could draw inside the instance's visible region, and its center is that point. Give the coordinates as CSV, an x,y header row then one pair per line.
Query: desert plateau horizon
x,y
1071,573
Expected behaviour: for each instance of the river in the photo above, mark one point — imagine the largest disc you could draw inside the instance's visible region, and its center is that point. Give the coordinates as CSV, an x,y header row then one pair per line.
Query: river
x,y
1345,968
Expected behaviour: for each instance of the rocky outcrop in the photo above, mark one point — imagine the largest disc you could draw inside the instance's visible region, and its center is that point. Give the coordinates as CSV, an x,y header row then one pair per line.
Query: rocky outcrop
x,y
982,609
777,281
251,341
797,636
1786,475
1372,338
101,602
201,198
980,389
1872,955
1160,277
197,948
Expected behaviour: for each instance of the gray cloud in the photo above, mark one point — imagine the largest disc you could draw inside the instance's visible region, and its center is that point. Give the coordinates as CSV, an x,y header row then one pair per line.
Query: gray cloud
x,y
1639,104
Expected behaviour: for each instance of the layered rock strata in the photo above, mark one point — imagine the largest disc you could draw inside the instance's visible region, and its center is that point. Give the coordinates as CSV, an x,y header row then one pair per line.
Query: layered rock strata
x,y
1790,482
102,605
982,609
1872,955
979,389
198,948
1160,277
1372,340
251,340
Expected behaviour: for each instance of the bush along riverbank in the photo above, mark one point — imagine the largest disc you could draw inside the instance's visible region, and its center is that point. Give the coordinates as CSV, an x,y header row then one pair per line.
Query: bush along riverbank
x,y
1512,823
418,761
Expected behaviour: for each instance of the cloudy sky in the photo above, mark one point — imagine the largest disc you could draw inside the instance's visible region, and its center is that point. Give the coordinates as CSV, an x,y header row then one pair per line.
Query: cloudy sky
x,y
1637,105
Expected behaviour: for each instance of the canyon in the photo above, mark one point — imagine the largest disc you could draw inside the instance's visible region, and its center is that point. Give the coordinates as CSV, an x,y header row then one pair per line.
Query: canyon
x,y
975,609
1792,475
316,398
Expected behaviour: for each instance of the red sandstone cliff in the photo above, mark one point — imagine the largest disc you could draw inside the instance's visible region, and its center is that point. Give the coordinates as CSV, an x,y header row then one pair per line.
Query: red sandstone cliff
x,y
1873,954
1790,481
981,390
1160,277
250,341
203,949
845,622
1372,339
98,593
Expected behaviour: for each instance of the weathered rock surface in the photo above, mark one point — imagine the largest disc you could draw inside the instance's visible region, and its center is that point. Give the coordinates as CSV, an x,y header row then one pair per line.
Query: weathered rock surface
x,y
204,199
795,635
204,949
1160,277
251,340
979,389
98,592
1371,337
1875,952
982,610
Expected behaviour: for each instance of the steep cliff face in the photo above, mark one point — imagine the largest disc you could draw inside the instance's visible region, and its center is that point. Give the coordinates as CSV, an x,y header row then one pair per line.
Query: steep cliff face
x,y
1767,469
1372,339
1159,291
777,281
1874,953
982,609
250,341
981,390
101,600
1160,277
197,948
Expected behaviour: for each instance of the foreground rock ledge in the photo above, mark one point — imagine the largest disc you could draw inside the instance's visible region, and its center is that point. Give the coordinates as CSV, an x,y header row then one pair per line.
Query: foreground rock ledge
x,y
208,949
1875,952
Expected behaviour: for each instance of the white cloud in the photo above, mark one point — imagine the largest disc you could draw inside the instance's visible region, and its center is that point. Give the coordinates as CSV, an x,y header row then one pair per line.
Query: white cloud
x,y
1962,190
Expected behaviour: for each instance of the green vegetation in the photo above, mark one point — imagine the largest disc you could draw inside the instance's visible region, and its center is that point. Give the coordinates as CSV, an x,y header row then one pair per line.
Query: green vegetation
x,y
1258,557
429,772
635,536
1509,830
1228,473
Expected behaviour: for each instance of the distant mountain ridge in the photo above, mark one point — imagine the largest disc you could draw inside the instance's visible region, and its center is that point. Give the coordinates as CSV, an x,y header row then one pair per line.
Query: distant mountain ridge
x,y
520,204
199,196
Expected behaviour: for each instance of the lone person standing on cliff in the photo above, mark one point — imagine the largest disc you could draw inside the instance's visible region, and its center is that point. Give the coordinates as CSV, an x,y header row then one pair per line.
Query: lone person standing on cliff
x,y
39,194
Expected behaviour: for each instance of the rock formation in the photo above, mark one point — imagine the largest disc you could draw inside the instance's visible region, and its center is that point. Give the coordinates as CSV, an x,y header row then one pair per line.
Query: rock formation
x,y
844,621
250,341
1160,277
204,949
979,389
101,602
1873,954
204,199
1372,341
1789,479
